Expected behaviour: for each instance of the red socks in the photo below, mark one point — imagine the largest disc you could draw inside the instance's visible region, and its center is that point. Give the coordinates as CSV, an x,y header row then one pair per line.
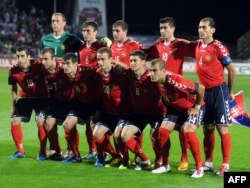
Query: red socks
x,y
209,144
226,147
17,135
103,144
163,137
156,147
139,139
42,138
90,138
53,139
184,146
72,137
133,146
194,144
109,148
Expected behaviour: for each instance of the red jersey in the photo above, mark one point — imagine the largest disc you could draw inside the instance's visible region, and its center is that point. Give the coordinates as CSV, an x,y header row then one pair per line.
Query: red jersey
x,y
88,54
59,84
85,85
115,90
178,92
145,96
172,53
209,66
122,53
32,82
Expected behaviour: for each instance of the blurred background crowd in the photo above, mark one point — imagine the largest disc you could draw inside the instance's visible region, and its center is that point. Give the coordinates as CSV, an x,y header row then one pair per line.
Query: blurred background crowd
x,y
25,21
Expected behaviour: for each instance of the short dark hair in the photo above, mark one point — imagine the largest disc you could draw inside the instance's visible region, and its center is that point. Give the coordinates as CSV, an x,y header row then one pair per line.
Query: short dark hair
x,y
48,50
158,61
91,24
105,50
141,54
59,14
23,48
71,56
169,20
122,24
209,20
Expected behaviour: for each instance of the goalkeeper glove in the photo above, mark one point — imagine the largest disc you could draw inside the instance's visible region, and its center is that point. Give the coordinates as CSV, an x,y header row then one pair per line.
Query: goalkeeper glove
x,y
106,41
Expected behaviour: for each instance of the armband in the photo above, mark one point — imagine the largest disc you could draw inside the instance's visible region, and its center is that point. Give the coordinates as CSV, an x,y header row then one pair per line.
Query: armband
x,y
227,60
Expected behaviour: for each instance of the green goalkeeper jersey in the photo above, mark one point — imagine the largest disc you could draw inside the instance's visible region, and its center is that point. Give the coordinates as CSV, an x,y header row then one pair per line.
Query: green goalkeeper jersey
x,y
65,43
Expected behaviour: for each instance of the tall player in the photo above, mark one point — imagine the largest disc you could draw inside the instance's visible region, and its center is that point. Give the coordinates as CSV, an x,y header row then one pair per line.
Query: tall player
x,y
211,60
173,51
62,42
33,95
89,48
88,58
122,45
121,49
183,99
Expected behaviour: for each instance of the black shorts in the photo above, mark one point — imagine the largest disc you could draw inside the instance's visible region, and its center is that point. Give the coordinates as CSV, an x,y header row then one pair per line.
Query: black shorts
x,y
58,109
85,110
25,106
141,121
112,121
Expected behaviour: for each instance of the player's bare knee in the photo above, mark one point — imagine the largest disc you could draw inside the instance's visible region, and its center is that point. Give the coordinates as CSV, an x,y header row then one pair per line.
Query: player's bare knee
x,y
15,121
65,126
48,127
222,129
117,135
96,135
208,129
125,136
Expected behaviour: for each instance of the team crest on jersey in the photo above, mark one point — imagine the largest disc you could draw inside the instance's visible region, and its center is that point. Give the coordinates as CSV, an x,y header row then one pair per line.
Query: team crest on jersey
x,y
62,47
123,54
208,58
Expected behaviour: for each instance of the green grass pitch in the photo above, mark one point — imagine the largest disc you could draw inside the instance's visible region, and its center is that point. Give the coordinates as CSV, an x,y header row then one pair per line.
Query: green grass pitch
x,y
28,172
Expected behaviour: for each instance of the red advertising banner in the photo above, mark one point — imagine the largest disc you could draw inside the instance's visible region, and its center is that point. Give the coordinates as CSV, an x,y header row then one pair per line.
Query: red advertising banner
x,y
6,63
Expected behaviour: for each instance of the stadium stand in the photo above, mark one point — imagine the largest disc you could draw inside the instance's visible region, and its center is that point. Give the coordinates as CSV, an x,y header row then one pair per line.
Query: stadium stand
x,y
20,27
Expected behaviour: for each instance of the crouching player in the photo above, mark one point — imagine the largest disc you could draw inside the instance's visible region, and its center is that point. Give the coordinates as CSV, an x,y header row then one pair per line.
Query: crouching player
x,y
183,99
146,104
